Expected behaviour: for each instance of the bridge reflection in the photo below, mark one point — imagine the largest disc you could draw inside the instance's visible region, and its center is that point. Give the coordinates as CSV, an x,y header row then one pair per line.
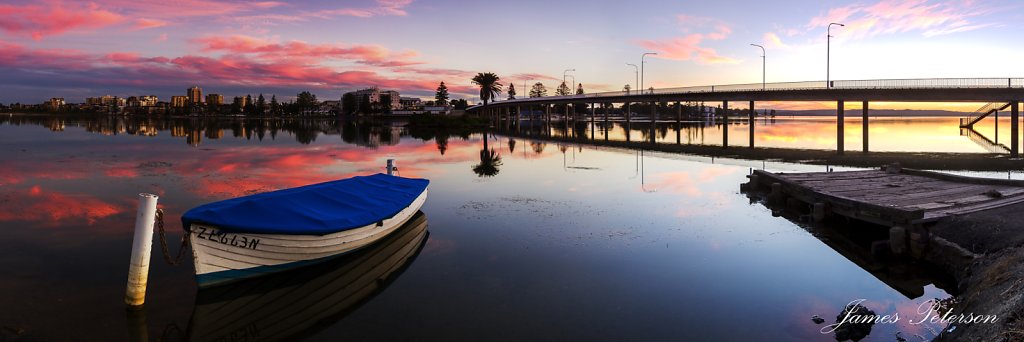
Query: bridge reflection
x,y
585,106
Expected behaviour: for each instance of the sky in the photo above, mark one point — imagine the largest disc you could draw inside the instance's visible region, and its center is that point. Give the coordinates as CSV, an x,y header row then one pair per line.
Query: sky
x,y
78,49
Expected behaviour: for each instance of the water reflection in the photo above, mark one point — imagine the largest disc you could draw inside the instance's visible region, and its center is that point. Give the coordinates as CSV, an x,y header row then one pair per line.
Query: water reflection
x,y
291,305
560,250
887,134
490,160
866,245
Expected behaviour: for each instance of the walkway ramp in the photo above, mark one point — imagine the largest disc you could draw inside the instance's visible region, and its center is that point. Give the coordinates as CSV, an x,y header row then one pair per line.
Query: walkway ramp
x,y
981,113
894,196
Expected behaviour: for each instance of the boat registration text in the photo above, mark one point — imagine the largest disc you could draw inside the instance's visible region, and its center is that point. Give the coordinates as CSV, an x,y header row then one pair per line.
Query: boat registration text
x,y
218,236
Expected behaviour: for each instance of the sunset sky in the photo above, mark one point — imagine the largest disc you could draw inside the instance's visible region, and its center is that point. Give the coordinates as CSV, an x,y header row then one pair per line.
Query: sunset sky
x,y
75,49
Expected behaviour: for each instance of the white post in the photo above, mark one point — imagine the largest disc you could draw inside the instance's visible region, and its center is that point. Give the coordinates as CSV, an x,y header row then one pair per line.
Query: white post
x,y
138,269
391,167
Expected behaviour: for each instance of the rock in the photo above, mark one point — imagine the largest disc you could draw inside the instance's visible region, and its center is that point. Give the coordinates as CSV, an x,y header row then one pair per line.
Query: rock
x,y
817,320
854,331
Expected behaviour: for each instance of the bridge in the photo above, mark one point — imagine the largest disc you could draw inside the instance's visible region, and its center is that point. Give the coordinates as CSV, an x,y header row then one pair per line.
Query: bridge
x,y
997,93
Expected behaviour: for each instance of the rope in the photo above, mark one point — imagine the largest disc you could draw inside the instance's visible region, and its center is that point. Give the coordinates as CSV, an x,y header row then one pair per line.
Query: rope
x,y
163,241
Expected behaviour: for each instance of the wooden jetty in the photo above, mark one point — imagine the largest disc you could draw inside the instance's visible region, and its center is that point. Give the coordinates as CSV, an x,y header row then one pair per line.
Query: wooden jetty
x,y
892,196
905,200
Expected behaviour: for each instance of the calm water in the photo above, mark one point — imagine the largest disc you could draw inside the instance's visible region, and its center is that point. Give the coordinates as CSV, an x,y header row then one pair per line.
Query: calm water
x,y
888,134
539,241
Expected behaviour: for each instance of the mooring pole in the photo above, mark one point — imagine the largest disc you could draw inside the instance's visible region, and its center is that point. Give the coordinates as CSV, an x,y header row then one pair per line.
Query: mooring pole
x,y
142,245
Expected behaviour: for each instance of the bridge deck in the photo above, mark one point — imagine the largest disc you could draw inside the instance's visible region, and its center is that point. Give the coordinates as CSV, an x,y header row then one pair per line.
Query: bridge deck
x,y
900,197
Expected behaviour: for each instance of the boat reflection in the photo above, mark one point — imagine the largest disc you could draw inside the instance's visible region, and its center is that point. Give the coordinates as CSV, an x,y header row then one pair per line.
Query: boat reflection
x,y
297,303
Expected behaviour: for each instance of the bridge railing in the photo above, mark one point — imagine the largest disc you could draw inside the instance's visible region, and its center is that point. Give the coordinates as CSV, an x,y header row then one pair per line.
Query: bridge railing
x,y
918,83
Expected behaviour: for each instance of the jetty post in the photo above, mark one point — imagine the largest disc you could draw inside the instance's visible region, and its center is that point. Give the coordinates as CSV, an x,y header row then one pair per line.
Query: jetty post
x,y
392,168
142,246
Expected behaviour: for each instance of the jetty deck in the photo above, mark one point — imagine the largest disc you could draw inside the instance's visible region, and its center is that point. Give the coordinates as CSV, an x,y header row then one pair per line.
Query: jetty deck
x,y
891,196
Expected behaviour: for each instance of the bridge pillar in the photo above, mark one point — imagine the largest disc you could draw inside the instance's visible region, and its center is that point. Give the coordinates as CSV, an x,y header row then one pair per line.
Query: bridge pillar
x,y
627,112
679,122
1014,129
750,123
654,114
840,129
679,112
864,125
607,109
725,123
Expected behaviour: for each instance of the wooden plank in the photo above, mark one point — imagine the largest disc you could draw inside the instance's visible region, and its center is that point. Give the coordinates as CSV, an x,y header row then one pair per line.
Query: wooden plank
x,y
833,175
963,179
884,186
969,191
871,180
890,194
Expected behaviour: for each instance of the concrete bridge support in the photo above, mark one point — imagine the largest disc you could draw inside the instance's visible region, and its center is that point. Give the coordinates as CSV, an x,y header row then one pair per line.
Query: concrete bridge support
x,y
840,127
864,125
1014,129
750,123
725,124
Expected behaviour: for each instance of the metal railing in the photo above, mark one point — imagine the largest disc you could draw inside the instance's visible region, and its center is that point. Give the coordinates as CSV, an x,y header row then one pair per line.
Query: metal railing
x,y
919,83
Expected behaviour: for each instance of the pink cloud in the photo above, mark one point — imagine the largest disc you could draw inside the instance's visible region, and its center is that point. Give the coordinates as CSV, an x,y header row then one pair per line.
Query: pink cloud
x,y
772,41
686,48
51,18
931,18
690,46
383,8
297,50
142,24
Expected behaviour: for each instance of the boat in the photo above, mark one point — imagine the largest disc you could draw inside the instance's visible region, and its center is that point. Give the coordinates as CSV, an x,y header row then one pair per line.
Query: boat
x,y
270,232
298,303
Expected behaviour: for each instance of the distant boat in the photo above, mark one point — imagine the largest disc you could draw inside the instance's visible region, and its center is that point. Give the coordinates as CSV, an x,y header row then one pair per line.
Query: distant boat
x,y
269,232
294,304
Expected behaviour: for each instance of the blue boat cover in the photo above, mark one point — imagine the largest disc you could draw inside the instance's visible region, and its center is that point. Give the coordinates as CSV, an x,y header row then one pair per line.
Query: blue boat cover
x,y
316,209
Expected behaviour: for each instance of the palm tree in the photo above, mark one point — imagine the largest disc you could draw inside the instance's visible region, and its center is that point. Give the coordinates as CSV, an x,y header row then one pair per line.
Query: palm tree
x,y
489,86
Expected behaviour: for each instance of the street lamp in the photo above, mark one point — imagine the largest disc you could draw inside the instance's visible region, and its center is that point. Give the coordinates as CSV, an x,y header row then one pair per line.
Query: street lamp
x,y
566,72
636,74
762,65
642,68
828,53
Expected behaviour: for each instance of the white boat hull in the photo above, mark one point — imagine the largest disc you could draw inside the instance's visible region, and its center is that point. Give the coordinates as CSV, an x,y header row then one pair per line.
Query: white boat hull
x,y
221,257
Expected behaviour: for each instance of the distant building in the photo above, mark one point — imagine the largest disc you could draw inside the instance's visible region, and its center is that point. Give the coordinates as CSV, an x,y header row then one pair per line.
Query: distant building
x,y
371,97
215,99
195,95
411,103
241,101
105,100
142,101
55,103
179,101
330,106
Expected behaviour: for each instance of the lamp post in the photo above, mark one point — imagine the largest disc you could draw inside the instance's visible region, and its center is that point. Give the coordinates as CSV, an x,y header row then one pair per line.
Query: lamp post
x,y
828,53
636,74
642,68
566,72
763,73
